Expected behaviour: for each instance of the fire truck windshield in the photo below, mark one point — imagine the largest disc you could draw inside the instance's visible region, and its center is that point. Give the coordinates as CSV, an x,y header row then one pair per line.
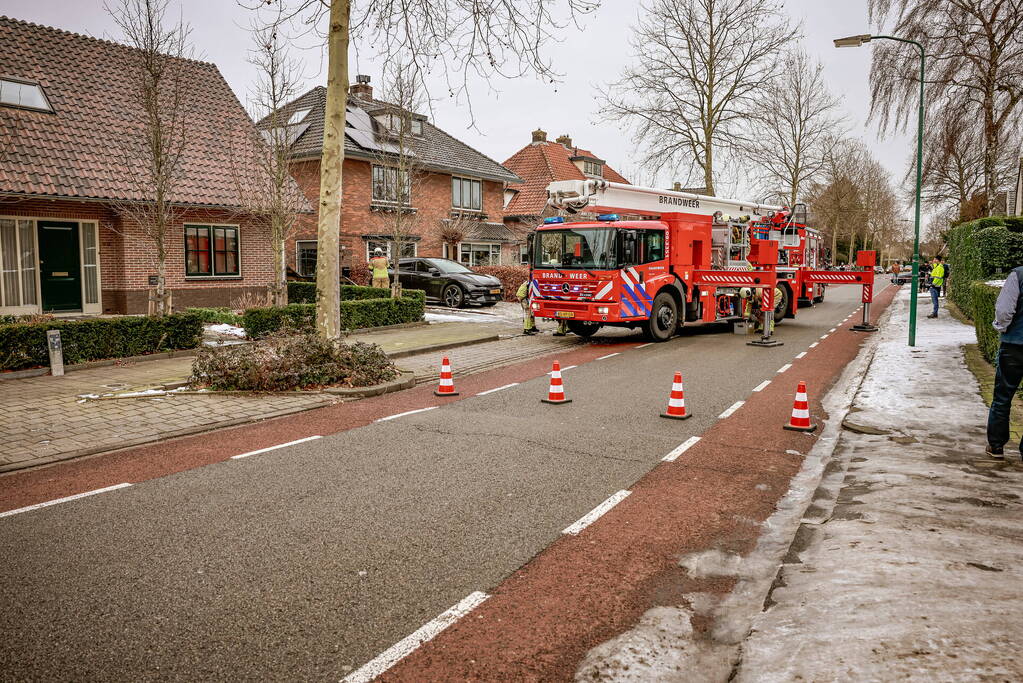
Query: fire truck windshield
x,y
579,248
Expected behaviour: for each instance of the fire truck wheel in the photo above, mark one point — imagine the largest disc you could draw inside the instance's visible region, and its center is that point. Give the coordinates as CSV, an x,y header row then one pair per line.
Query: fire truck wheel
x,y
583,329
818,299
781,306
663,320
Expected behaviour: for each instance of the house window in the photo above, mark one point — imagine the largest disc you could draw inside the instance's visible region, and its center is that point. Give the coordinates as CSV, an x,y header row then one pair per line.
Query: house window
x,y
22,94
391,185
593,168
524,254
467,194
305,257
408,249
211,250
479,254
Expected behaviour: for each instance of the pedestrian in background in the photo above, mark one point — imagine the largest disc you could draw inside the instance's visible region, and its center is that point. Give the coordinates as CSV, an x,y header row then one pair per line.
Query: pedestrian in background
x,y
937,277
528,321
924,275
896,269
1009,364
948,273
378,265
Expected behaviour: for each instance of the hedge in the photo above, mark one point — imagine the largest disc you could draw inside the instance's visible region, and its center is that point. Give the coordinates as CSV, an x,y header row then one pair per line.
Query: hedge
x,y
983,307
305,292
510,276
23,345
355,314
216,315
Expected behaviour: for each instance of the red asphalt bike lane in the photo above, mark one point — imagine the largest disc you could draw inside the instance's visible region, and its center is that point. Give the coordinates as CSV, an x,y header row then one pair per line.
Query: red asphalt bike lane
x,y
583,590
29,487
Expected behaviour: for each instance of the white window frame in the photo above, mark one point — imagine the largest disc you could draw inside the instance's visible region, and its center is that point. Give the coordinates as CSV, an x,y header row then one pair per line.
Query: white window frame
x,y
494,247
298,255
594,169
213,257
400,201
386,246
461,206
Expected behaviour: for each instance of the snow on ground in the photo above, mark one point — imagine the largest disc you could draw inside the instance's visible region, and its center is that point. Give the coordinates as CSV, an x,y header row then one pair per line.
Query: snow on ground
x,y
909,562
501,312
224,328
995,283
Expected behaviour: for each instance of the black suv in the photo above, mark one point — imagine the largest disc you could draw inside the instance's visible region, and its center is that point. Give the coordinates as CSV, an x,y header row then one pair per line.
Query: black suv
x,y
449,282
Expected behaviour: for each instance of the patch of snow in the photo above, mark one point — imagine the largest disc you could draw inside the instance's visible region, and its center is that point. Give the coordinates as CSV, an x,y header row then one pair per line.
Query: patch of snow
x,y
995,283
230,330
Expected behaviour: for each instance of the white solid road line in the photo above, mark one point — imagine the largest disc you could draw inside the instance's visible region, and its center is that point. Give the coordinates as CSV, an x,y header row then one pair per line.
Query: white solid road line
x,y
596,513
410,643
610,355
63,500
731,409
784,368
680,449
762,385
506,386
801,355
410,412
274,448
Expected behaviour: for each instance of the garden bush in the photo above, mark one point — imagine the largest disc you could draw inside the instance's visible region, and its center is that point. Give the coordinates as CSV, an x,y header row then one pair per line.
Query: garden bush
x,y
305,292
216,315
281,362
23,345
355,314
983,306
510,276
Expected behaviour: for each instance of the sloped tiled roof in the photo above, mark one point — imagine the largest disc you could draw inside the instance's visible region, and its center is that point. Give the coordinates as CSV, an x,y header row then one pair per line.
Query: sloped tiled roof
x,y
81,149
541,163
437,150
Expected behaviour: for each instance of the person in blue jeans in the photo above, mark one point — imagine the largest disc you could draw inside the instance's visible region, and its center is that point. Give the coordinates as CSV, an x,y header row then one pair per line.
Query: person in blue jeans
x,y
1009,367
937,280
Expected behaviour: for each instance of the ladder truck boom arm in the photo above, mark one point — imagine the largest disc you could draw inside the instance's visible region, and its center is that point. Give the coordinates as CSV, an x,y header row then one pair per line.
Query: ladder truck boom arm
x,y
579,195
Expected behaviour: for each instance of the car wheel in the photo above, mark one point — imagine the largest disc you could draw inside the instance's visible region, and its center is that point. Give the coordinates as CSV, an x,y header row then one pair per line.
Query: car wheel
x,y
582,328
663,320
454,297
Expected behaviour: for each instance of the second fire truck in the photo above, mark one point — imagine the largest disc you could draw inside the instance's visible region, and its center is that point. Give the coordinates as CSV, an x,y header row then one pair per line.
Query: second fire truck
x,y
681,258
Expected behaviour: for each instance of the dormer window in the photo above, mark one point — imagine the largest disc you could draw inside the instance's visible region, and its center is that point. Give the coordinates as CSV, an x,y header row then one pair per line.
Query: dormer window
x,y
23,94
593,168
393,123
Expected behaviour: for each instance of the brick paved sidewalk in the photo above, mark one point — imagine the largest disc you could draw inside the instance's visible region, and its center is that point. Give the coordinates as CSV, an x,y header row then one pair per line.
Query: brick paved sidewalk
x,y
45,420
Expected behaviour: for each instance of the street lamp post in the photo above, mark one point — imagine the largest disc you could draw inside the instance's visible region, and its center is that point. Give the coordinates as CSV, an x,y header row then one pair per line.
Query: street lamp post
x,y
857,41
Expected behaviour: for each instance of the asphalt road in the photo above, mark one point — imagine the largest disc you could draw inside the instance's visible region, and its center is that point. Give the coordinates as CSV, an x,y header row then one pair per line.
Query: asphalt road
x,y
306,562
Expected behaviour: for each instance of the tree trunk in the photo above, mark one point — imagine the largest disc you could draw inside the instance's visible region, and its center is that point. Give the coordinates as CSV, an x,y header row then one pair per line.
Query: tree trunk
x,y
279,288
328,271
708,169
990,151
161,272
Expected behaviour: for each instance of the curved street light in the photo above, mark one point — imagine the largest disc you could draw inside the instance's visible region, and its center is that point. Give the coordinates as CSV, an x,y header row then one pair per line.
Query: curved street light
x,y
857,41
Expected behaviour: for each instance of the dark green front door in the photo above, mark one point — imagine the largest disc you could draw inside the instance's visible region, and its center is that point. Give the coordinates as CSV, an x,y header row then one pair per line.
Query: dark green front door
x,y
60,266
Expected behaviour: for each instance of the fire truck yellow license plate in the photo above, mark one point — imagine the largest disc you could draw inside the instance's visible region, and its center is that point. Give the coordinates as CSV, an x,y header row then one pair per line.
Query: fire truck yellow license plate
x,y
564,314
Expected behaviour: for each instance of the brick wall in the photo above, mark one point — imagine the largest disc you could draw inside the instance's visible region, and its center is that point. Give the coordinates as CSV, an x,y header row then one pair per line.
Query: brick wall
x,y
128,258
431,196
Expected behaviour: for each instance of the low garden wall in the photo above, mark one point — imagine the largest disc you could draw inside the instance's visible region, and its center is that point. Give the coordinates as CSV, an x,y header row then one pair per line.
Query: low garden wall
x,y
23,344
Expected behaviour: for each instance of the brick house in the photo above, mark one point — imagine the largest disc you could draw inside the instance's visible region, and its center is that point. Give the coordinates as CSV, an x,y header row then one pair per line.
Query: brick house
x,y
454,187
539,164
68,116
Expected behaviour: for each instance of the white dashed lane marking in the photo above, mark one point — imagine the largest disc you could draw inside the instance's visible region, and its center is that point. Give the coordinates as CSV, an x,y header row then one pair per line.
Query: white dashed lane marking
x,y
63,500
410,412
680,449
274,448
596,513
801,355
610,355
506,386
730,410
762,385
784,368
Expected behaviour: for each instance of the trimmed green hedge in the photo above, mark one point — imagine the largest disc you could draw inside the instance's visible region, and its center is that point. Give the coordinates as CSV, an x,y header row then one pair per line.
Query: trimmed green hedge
x,y
216,315
983,308
305,292
23,345
355,314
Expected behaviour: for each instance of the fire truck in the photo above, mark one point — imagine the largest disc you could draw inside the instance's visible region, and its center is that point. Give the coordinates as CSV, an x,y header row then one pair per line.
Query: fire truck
x,y
675,258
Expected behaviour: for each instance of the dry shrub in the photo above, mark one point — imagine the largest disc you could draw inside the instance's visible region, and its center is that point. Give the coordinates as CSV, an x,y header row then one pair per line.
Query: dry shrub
x,y
250,300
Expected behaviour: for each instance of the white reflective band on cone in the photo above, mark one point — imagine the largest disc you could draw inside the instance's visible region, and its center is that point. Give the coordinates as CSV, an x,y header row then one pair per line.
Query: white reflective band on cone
x,y
796,412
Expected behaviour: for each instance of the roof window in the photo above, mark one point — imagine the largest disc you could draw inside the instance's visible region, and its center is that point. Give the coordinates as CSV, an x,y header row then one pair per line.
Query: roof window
x,y
22,94
298,116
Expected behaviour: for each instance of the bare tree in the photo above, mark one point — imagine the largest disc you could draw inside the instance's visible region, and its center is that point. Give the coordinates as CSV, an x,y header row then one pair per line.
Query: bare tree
x,y
267,191
399,174
975,56
700,70
473,38
154,146
795,128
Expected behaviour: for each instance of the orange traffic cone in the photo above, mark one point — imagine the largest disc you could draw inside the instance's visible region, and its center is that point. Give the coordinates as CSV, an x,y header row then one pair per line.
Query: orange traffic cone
x,y
677,401
800,421
447,386
556,394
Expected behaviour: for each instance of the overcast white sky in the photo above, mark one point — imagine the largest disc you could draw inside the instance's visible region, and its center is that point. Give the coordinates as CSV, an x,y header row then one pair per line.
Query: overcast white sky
x,y
504,119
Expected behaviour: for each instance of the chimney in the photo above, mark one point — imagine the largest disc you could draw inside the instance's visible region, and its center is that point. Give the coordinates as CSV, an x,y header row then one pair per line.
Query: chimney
x,y
539,135
361,88
565,140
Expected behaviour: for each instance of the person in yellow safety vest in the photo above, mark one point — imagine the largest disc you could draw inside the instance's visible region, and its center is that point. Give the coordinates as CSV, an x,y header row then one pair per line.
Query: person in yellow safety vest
x,y
756,314
937,280
378,264
528,321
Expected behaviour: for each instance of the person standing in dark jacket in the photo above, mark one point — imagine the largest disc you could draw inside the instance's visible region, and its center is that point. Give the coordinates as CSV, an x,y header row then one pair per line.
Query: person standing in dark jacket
x,y
1009,366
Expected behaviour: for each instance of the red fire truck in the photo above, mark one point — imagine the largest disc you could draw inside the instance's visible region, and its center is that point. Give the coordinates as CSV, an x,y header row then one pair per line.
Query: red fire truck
x,y
686,258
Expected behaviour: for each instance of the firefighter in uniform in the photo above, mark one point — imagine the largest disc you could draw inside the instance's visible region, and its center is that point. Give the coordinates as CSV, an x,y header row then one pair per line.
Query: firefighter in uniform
x,y
528,322
753,308
378,264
